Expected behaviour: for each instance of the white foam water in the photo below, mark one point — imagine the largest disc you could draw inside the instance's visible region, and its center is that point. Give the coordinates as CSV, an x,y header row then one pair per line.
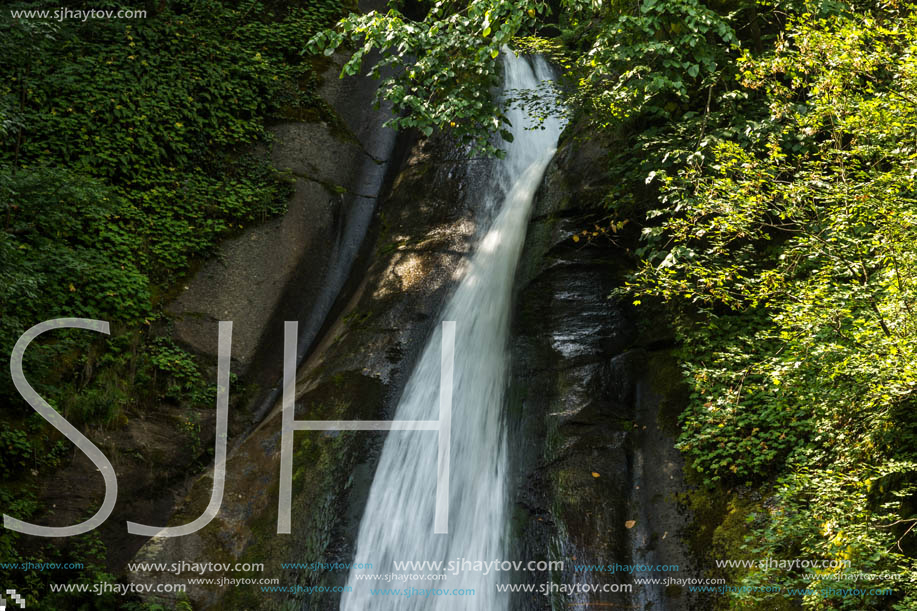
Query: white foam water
x,y
397,524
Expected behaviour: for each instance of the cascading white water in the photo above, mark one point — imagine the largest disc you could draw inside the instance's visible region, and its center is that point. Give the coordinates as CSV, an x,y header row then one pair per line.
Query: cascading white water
x,y
397,524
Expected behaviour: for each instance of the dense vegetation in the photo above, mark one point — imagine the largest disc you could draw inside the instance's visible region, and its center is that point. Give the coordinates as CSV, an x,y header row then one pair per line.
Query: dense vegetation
x,y
798,247
768,150
125,155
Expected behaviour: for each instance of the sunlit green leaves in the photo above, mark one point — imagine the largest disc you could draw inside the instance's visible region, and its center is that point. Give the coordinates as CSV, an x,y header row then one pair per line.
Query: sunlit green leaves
x,y
438,72
639,62
799,246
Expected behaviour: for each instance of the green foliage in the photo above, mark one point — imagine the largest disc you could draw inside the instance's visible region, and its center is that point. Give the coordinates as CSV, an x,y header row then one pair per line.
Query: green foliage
x,y
617,63
126,153
25,447
795,245
778,140
653,60
182,372
451,59
832,512
120,157
17,450
22,505
726,441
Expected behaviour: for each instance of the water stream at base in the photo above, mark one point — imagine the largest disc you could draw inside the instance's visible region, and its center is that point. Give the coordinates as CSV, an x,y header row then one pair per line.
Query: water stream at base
x,y
397,524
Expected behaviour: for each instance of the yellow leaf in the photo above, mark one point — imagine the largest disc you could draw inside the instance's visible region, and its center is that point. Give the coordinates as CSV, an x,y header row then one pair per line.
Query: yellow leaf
x,y
72,288
630,523
594,474
576,238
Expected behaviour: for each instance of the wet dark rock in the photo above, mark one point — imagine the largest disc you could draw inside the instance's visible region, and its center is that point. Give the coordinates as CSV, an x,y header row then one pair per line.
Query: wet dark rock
x,y
595,469
591,410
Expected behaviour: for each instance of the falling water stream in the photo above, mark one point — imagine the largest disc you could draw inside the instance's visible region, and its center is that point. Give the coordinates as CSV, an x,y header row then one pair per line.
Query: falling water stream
x,y
397,524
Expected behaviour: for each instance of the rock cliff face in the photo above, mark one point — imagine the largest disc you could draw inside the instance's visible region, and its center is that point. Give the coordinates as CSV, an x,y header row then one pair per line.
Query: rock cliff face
x,y
591,416
294,267
422,233
290,268
594,402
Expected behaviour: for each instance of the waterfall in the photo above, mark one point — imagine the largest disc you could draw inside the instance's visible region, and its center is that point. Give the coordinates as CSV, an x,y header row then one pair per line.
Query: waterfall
x,y
397,524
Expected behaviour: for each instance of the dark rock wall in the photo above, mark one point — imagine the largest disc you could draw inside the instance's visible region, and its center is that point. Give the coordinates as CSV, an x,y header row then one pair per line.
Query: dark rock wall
x,y
591,416
593,401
